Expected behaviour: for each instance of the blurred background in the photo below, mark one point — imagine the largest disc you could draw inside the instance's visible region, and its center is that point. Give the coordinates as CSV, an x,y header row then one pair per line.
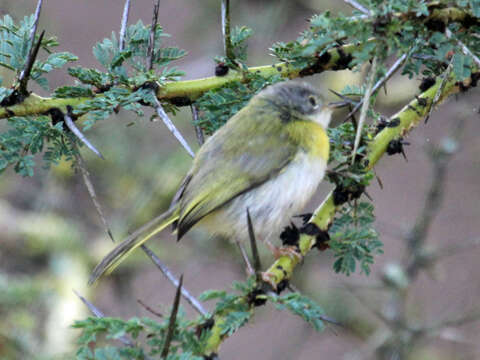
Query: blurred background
x,y
51,236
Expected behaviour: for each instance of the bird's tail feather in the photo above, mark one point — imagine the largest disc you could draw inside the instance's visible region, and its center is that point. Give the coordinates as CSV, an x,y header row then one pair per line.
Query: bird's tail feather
x,y
123,250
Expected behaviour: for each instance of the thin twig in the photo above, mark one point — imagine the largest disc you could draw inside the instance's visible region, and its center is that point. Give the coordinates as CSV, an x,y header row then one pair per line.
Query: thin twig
x,y
123,28
151,44
227,41
168,274
393,69
257,265
464,47
33,31
250,270
365,106
166,120
25,74
91,190
418,235
149,309
358,6
369,305
76,131
172,320
198,129
446,75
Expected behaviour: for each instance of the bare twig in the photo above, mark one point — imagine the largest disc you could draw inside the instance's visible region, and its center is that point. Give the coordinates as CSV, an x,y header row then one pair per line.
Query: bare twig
x,y
149,309
393,69
168,274
123,28
198,129
166,120
257,265
464,47
25,74
227,41
91,190
151,44
76,131
417,236
172,321
358,6
366,104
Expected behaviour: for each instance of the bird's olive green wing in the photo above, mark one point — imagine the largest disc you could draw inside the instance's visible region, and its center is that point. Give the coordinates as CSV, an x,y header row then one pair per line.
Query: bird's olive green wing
x,y
250,149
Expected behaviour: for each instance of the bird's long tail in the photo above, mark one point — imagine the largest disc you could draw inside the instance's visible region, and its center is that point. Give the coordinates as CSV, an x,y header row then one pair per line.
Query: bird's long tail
x,y
125,248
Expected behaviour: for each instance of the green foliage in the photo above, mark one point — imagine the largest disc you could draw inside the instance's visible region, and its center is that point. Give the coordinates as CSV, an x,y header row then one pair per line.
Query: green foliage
x,y
395,27
123,84
302,306
353,239
27,136
146,335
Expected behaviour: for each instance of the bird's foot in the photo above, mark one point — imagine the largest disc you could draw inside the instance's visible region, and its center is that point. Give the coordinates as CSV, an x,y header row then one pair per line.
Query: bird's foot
x,y
293,252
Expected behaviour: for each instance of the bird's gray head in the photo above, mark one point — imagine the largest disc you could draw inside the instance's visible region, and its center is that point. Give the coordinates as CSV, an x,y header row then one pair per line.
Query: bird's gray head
x,y
297,100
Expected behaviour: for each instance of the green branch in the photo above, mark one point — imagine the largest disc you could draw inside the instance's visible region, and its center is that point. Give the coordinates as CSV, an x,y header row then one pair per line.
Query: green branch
x,y
190,90
409,117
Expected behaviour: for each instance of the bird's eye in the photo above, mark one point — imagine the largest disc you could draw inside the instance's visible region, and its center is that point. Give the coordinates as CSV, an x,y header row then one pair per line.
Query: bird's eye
x,y
312,101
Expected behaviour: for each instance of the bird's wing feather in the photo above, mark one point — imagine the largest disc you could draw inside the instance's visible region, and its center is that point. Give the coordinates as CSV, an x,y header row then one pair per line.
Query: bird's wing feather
x,y
257,149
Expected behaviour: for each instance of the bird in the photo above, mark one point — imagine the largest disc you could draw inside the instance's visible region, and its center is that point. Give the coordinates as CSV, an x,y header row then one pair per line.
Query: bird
x,y
268,158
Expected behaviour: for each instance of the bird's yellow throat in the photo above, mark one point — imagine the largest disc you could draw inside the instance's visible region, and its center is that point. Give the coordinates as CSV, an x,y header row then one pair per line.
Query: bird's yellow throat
x,y
311,137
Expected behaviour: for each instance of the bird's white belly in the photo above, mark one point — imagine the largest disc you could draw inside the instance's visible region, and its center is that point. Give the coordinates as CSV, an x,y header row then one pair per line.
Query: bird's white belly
x,y
272,204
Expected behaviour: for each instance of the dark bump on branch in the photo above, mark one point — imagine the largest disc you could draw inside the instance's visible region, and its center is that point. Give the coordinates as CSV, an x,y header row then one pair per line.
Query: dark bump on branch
x,y
57,116
221,69
343,194
321,240
344,60
15,98
426,83
290,235
310,229
393,123
180,101
396,147
321,236
204,326
256,297
282,285
316,67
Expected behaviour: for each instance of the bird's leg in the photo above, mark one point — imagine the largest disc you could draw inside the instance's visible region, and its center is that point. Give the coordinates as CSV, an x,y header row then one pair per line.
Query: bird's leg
x,y
292,251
